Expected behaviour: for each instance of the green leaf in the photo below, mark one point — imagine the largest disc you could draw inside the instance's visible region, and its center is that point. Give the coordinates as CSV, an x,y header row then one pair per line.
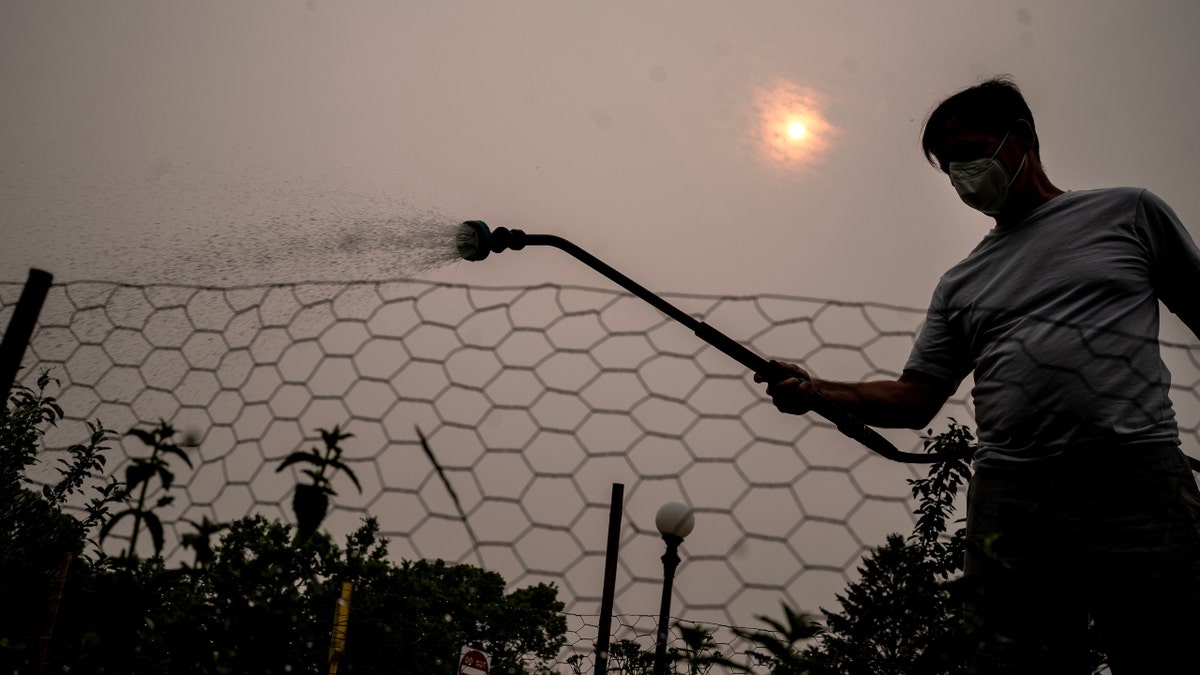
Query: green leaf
x,y
156,531
340,466
164,429
178,452
297,457
333,436
138,473
166,476
143,436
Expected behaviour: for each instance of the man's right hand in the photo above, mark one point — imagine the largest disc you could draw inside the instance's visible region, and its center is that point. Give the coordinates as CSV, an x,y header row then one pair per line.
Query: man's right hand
x,y
791,394
909,402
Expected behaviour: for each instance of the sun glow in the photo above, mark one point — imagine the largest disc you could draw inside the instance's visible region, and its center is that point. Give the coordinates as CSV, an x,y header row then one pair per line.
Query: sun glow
x,y
792,130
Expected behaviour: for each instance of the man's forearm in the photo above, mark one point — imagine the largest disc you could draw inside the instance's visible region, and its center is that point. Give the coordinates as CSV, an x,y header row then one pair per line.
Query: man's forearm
x,y
885,403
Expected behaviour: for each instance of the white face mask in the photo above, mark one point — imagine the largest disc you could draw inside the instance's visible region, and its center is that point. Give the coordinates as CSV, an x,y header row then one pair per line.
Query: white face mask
x,y
983,183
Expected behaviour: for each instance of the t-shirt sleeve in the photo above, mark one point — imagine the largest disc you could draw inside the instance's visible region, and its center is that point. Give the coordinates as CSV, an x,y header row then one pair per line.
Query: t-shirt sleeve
x,y
1174,256
940,351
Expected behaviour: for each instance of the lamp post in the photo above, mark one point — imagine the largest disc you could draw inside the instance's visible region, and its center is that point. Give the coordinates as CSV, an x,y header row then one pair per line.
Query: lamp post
x,y
674,521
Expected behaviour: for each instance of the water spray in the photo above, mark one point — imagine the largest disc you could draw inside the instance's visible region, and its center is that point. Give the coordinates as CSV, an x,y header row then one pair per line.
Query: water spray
x,y
475,241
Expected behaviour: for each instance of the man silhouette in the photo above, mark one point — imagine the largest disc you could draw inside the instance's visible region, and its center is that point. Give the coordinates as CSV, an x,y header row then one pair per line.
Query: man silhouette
x,y
1081,503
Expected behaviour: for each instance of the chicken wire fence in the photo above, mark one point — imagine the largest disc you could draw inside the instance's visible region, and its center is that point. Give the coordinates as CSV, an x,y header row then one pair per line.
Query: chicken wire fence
x,y
534,401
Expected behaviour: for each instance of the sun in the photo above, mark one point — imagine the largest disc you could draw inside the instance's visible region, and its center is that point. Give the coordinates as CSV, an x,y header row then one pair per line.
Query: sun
x,y
793,132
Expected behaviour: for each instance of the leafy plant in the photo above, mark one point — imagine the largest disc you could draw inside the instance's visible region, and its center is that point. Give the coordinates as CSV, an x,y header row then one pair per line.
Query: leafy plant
x,y
138,476
936,494
256,600
427,610
264,604
627,657
902,614
42,543
310,502
780,649
22,425
200,541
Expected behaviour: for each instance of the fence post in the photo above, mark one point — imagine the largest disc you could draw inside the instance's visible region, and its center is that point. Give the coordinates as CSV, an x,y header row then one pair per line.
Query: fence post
x,y
604,631
20,328
341,617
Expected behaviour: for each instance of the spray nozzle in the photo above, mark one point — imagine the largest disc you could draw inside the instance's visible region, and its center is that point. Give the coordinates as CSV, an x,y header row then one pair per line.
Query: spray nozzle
x,y
476,240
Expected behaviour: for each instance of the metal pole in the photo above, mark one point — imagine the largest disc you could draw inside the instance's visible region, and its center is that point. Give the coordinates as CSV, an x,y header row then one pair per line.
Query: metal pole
x,y
341,617
604,632
670,562
20,328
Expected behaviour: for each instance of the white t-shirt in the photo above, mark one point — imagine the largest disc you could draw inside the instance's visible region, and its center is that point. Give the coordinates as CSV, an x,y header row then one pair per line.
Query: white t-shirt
x,y
1058,318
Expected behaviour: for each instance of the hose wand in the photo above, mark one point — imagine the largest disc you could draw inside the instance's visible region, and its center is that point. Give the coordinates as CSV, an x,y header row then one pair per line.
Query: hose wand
x,y
476,241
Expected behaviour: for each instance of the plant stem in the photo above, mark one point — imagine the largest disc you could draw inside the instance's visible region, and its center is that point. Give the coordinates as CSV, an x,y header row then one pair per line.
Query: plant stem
x,y
137,520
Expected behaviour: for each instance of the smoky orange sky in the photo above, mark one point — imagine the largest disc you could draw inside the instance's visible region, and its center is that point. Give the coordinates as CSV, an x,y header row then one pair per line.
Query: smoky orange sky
x,y
229,142
225,142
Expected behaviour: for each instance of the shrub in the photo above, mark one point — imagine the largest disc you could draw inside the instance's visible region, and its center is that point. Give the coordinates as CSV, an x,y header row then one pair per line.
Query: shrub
x,y
254,599
41,542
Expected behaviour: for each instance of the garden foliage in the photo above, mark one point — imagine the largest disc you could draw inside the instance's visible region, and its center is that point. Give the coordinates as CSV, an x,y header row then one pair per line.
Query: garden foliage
x,y
254,598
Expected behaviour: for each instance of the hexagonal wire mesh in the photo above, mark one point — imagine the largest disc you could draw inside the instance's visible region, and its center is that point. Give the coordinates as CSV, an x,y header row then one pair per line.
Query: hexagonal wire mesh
x,y
535,401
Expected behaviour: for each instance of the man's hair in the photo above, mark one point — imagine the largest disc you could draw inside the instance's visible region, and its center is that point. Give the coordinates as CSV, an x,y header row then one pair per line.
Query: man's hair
x,y
990,107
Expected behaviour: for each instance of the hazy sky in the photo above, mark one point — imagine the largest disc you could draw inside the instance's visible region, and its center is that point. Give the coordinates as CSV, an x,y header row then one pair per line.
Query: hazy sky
x,y
230,142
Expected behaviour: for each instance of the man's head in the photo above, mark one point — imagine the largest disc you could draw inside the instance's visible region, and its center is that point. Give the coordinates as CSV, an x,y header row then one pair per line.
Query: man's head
x,y
990,108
